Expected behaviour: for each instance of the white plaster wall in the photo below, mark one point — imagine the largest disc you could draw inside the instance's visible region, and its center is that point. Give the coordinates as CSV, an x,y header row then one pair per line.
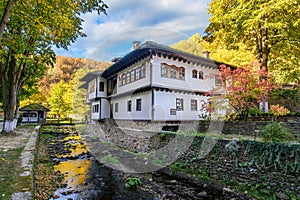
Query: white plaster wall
x,y
164,101
94,116
105,109
91,95
104,93
136,84
144,114
190,84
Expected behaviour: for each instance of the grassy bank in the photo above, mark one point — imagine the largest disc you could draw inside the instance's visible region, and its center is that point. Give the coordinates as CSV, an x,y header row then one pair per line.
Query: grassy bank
x,y
9,172
46,179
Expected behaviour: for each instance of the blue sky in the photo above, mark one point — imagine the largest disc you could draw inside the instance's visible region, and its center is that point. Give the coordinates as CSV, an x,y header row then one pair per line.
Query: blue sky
x,y
162,21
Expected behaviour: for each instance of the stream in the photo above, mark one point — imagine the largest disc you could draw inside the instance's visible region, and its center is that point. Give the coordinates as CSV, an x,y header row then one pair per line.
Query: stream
x,y
84,176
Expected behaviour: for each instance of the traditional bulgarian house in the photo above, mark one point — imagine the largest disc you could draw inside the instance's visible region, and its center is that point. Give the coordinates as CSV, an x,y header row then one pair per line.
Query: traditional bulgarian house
x,y
153,84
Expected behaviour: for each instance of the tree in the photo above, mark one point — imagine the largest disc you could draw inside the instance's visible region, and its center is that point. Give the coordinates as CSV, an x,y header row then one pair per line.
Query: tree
x,y
191,45
69,70
81,109
26,46
5,16
244,88
264,26
197,45
61,100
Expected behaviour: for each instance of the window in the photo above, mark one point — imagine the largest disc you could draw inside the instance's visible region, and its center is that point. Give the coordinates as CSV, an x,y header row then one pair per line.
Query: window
x,y
138,73
181,73
123,79
92,86
143,71
138,104
120,80
101,86
179,104
129,106
116,107
218,80
172,72
128,77
164,70
194,105
132,76
201,75
194,75
29,115
95,108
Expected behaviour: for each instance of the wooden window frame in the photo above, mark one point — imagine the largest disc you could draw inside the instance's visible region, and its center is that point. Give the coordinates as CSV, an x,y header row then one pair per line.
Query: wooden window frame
x,y
201,75
129,106
138,105
116,107
179,104
194,106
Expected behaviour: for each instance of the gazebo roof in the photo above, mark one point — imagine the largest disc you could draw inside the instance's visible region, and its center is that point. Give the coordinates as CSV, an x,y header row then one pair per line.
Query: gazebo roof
x,y
34,107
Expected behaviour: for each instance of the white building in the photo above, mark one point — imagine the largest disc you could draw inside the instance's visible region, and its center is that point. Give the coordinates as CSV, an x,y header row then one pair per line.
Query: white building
x,y
152,83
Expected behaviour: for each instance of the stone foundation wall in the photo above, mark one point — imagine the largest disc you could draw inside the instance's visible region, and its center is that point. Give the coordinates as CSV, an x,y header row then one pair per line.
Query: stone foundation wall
x,y
142,136
250,128
128,138
155,126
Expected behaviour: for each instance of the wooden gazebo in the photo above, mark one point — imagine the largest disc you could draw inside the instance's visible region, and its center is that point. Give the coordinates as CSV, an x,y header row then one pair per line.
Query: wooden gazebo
x,y
33,113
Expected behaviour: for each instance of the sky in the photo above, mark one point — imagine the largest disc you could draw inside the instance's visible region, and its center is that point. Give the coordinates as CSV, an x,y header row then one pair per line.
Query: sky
x,y
161,21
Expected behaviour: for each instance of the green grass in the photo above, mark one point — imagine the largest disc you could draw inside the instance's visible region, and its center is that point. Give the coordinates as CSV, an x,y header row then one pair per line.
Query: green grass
x,y
81,127
9,173
46,179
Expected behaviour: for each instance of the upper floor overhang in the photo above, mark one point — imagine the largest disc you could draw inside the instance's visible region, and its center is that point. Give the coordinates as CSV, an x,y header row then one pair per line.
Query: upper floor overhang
x,y
150,49
89,77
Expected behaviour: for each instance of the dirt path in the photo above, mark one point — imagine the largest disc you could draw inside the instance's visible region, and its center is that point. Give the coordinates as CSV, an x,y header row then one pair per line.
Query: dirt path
x,y
18,139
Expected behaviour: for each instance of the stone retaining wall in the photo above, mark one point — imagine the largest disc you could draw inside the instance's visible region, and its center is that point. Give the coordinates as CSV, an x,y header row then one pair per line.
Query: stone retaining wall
x,y
128,138
250,128
155,126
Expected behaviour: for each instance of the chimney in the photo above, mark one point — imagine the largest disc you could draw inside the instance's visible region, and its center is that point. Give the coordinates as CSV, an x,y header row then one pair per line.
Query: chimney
x,y
116,59
136,44
206,54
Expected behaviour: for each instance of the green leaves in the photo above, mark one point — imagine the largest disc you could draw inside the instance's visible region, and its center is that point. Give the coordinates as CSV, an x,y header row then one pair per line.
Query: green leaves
x,y
271,28
61,100
26,45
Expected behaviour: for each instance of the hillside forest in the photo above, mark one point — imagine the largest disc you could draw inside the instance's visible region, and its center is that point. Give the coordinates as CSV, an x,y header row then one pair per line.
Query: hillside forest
x,y
59,90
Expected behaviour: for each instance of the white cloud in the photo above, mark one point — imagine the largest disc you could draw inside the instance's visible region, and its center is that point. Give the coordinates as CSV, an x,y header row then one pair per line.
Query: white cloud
x,y
163,21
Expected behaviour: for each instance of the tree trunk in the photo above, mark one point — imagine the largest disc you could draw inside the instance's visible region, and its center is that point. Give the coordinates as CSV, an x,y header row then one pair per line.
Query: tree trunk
x,y
9,94
10,122
6,15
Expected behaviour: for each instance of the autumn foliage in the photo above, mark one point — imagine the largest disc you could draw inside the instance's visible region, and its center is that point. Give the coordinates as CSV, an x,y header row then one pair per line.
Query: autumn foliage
x,y
278,110
244,87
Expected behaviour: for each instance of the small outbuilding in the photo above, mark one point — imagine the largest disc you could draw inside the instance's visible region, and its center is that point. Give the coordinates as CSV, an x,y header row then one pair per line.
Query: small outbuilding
x,y
34,113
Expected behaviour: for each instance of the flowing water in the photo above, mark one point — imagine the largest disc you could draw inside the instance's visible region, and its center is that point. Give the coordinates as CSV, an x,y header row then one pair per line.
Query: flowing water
x,y
84,176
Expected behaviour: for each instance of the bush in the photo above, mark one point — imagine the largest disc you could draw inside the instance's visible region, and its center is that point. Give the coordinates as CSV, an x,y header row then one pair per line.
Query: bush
x,y
255,111
275,132
132,183
278,110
